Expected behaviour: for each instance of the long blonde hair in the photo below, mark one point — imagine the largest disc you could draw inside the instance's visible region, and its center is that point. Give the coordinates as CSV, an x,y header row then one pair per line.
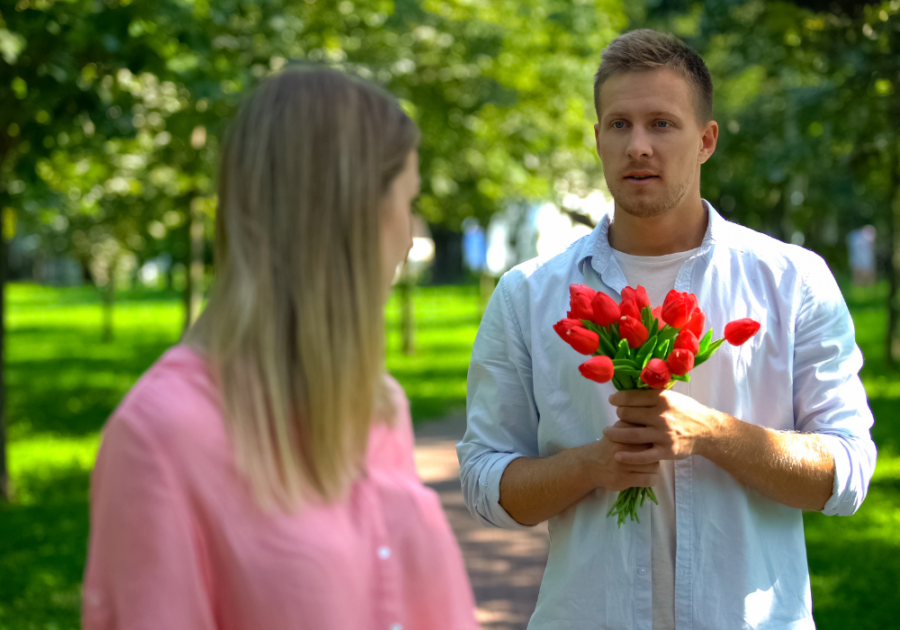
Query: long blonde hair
x,y
294,327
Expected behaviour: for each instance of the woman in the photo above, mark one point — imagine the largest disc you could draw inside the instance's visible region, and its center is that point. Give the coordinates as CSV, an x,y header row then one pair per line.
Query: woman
x,y
260,475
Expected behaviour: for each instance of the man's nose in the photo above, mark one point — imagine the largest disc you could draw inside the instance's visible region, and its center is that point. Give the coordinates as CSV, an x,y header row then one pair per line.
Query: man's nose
x,y
639,144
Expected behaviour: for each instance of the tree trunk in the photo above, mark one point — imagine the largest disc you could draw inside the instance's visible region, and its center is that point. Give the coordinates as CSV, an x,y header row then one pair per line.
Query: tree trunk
x,y
892,340
193,298
407,310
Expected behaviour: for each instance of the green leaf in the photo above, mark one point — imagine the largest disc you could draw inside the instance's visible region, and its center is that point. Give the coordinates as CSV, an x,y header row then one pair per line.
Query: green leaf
x,y
628,371
646,315
606,345
685,379
623,352
711,350
662,349
654,327
704,343
646,352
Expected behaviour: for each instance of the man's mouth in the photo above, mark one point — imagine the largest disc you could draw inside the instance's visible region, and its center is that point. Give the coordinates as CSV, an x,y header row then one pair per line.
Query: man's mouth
x,y
641,176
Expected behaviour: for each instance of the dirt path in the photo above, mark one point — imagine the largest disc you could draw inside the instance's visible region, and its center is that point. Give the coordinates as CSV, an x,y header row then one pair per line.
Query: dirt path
x,y
505,567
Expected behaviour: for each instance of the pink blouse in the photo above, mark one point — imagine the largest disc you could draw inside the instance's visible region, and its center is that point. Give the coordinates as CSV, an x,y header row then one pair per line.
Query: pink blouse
x,y
178,542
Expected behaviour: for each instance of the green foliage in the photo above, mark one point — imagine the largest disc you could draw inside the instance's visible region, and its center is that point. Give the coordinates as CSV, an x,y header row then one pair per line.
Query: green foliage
x,y
113,110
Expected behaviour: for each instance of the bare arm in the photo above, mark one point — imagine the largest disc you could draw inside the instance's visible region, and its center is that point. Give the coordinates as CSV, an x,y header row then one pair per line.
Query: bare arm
x,y
534,490
795,469
792,468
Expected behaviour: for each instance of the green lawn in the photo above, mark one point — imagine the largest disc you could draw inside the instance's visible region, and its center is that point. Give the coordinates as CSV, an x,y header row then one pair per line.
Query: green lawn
x,y
63,383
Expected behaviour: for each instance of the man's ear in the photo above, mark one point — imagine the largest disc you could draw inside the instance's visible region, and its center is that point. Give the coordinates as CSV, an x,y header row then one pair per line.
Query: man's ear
x,y
708,140
597,138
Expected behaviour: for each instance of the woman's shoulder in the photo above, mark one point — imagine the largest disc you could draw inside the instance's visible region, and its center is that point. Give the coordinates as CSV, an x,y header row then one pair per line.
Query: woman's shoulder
x,y
174,402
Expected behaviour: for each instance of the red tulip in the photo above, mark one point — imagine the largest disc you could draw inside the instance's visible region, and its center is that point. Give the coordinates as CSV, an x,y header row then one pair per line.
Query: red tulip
x,y
687,340
630,308
656,374
638,296
680,361
576,335
676,309
580,297
606,311
633,331
598,369
657,313
697,323
740,330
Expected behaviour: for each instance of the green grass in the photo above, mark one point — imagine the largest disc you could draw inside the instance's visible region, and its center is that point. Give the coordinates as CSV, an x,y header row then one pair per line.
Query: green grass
x,y
63,383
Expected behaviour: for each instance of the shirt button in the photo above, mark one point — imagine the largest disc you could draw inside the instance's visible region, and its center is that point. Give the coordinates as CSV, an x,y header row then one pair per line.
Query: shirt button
x,y
642,571
396,626
384,553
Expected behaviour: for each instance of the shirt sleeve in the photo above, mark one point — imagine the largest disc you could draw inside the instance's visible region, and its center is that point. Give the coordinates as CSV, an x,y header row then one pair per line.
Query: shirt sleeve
x,y
501,414
829,397
144,569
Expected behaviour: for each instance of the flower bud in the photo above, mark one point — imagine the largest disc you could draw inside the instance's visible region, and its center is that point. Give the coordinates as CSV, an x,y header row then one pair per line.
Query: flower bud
x,y
598,369
680,361
686,340
740,330
697,323
576,335
656,374
606,311
580,297
630,308
633,331
638,296
676,309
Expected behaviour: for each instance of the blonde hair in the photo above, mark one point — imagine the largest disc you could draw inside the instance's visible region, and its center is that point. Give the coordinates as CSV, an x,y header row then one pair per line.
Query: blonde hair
x,y
294,327
646,49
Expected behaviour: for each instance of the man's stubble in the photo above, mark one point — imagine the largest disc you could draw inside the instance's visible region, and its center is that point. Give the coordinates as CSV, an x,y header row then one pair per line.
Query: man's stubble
x,y
649,208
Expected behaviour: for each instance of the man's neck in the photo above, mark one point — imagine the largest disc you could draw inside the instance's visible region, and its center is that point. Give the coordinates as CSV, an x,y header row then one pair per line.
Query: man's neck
x,y
679,230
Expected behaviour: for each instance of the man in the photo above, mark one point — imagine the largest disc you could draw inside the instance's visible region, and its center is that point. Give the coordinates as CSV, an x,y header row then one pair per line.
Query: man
x,y
762,431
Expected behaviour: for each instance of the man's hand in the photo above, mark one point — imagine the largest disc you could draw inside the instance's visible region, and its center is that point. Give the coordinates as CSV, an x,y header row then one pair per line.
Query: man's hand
x,y
676,425
608,471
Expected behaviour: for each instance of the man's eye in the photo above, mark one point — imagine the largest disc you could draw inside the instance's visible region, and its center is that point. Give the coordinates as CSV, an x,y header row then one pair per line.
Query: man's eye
x,y
619,124
663,123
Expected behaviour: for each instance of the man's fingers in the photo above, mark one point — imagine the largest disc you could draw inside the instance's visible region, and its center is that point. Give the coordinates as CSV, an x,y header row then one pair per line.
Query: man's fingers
x,y
644,469
643,481
647,456
640,435
635,398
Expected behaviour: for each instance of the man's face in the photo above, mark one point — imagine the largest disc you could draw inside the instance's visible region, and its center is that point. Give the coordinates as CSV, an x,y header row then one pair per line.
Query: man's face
x,y
650,141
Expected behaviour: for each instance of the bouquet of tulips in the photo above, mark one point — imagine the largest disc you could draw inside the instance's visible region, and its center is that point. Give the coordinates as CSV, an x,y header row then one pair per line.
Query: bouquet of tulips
x,y
637,346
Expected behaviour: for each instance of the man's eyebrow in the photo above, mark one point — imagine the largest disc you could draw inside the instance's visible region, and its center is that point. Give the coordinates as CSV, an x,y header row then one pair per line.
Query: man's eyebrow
x,y
656,114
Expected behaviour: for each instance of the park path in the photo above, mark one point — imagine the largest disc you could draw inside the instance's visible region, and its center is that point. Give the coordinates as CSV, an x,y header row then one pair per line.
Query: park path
x,y
505,567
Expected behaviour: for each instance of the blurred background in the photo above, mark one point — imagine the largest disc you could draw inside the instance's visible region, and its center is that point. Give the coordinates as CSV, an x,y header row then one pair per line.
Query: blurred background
x,y
111,115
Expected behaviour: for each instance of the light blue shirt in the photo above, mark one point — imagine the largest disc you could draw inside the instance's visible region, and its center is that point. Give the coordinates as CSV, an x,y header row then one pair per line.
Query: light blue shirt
x,y
740,557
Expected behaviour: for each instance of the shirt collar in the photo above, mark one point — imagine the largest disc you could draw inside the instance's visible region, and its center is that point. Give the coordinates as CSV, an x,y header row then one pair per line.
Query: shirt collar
x,y
597,250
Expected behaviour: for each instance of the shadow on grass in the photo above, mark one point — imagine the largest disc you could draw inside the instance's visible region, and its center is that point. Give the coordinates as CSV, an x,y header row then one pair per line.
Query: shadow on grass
x,y
43,548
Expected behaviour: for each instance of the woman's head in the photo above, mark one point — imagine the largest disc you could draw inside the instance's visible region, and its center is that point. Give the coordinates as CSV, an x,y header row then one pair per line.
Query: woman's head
x,y
316,177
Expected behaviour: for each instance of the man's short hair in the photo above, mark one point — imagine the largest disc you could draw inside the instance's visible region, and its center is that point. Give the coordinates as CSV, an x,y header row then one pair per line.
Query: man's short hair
x,y
646,49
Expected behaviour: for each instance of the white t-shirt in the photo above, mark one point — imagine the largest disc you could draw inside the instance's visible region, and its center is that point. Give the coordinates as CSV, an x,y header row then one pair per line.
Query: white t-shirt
x,y
657,274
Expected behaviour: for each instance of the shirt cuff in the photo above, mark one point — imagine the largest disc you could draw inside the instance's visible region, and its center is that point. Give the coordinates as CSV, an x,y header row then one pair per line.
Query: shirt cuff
x,y
841,474
490,493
